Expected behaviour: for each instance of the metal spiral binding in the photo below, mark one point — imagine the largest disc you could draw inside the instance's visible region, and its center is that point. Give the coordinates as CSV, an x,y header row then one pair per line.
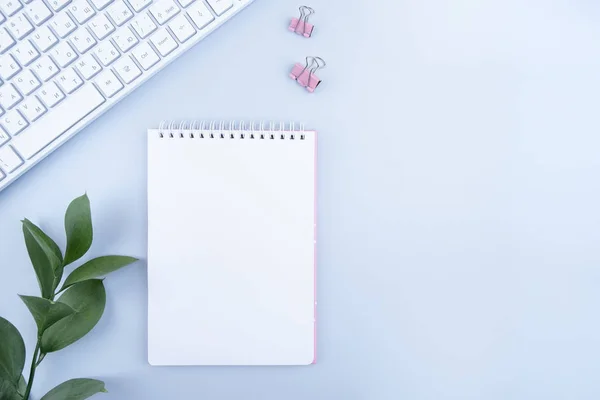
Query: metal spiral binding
x,y
217,130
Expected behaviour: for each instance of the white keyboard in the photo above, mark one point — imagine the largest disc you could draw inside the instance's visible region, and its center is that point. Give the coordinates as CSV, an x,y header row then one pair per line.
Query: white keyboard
x,y
65,62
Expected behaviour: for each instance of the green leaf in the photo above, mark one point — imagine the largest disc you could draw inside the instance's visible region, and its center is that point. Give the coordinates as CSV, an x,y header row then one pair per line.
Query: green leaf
x,y
22,386
43,258
78,225
97,267
12,352
88,300
75,389
46,312
8,391
45,238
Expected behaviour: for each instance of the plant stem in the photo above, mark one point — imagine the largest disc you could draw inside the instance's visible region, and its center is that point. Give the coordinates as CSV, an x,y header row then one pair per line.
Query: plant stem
x,y
39,361
32,370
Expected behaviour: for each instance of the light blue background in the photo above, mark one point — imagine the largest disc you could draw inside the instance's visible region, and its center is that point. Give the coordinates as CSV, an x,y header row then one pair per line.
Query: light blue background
x,y
459,201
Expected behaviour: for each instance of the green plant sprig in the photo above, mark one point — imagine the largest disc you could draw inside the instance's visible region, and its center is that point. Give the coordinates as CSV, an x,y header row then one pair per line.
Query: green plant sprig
x,y
60,322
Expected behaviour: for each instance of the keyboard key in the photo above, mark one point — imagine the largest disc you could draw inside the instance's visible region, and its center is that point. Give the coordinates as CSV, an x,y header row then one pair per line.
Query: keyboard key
x,y
69,80
25,52
119,12
182,28
6,41
2,175
63,54
106,53
220,6
3,136
32,108
26,82
13,122
139,5
108,83
127,70
88,66
81,10
38,12
144,25
58,4
8,67
19,26
44,38
145,55
76,107
83,40
9,160
2,18
200,15
51,94
164,42
164,10
45,68
9,7
185,3
100,4
9,96
101,26
63,24
125,39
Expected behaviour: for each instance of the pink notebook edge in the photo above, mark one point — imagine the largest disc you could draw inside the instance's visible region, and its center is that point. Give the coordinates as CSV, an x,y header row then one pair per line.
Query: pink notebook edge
x,y
315,254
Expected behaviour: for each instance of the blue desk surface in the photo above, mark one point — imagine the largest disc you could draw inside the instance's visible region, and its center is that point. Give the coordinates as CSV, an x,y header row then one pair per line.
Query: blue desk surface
x,y
459,206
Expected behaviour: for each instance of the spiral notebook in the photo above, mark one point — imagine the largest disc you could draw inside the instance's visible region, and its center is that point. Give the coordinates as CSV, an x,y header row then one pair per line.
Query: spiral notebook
x,y
231,245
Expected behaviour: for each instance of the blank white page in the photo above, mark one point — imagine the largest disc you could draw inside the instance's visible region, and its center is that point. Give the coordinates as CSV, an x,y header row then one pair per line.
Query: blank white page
x,y
231,250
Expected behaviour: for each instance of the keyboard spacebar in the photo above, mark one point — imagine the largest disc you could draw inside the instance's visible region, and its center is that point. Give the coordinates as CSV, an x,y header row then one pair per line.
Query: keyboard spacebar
x,y
58,120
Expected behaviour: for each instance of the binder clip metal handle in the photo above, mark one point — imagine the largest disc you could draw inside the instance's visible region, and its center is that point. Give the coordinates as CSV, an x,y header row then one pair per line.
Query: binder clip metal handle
x,y
300,25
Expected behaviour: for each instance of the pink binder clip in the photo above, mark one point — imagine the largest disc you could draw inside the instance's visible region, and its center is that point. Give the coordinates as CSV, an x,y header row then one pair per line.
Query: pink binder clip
x,y
306,75
300,25
298,69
